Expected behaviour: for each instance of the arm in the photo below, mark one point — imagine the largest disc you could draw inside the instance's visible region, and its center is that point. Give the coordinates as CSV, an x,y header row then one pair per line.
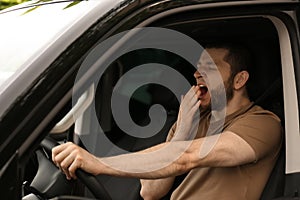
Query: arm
x,y
157,188
66,156
156,162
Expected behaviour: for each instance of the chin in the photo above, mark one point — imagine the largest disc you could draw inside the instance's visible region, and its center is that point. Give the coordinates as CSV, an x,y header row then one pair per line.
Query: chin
x,y
205,104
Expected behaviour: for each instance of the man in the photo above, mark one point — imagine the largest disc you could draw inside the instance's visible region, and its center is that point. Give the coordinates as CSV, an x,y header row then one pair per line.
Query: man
x,y
237,165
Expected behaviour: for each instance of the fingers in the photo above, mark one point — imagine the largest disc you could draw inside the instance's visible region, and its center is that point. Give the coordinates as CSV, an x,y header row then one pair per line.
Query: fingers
x,y
191,98
73,167
65,165
58,157
193,109
190,94
60,152
193,94
197,91
189,105
65,157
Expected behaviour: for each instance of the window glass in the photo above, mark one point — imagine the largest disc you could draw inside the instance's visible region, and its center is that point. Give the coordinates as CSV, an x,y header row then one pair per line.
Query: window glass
x,y
26,33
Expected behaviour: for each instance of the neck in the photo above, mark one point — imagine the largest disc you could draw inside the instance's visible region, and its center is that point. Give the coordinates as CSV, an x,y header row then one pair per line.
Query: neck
x,y
236,103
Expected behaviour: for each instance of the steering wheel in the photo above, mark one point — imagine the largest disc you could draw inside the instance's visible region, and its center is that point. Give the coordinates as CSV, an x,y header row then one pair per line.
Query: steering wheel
x,y
89,180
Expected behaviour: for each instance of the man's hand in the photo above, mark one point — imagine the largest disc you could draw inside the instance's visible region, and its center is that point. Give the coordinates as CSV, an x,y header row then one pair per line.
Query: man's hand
x,y
69,157
188,115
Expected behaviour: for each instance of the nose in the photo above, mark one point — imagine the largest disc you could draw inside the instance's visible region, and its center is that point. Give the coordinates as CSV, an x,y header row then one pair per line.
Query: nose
x,y
197,74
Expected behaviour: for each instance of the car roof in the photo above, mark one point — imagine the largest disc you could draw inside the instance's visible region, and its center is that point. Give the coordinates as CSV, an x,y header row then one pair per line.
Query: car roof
x,y
45,2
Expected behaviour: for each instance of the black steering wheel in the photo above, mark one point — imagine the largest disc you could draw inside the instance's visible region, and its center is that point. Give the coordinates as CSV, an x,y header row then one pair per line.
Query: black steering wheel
x,y
89,180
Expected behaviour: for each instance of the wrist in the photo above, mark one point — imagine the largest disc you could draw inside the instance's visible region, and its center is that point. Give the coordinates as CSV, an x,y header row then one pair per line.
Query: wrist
x,y
179,136
100,167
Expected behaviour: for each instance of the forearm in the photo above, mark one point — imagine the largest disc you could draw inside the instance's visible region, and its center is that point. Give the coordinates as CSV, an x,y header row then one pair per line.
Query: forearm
x,y
156,189
161,161
175,158
153,163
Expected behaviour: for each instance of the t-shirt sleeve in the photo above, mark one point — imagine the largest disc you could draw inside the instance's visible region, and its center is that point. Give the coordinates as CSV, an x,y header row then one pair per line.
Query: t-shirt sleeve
x,y
261,130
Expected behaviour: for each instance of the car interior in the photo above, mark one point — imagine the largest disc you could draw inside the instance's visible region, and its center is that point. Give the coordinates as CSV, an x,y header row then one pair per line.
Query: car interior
x,y
265,88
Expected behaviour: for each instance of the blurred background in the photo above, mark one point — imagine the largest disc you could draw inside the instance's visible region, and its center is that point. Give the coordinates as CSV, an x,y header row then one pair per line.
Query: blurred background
x,y
8,3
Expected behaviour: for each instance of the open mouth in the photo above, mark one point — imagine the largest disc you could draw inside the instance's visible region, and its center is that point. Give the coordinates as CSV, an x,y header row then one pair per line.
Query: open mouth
x,y
203,90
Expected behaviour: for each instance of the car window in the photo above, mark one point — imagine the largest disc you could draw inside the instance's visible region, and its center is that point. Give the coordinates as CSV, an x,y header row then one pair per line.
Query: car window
x,y
30,30
38,36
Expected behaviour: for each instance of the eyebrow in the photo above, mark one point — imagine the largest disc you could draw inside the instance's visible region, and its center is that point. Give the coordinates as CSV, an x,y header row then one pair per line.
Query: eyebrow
x,y
209,63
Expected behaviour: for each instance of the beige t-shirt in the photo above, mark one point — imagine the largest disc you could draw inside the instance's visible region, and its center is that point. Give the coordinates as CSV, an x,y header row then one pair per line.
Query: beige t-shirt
x,y
262,130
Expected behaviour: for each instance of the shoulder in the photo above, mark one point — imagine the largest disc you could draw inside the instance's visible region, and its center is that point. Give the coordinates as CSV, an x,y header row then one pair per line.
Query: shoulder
x,y
260,128
259,115
257,120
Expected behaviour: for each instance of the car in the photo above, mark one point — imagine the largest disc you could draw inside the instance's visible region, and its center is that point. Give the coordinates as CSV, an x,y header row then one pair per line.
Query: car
x,y
108,76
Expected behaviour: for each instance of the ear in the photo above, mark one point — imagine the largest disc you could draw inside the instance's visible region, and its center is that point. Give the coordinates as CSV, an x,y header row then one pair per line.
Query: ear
x,y
240,80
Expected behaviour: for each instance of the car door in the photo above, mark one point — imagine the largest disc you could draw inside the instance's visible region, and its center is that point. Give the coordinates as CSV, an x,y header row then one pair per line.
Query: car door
x,y
37,95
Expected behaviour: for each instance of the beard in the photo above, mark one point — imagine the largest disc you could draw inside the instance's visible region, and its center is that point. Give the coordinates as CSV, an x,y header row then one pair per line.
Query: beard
x,y
219,100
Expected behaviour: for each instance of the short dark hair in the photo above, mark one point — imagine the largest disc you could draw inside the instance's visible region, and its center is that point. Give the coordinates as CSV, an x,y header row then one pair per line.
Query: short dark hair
x,y
238,56
239,59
